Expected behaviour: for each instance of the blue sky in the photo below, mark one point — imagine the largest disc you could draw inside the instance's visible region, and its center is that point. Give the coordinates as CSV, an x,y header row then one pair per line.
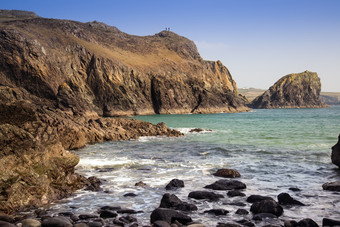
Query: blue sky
x,y
258,40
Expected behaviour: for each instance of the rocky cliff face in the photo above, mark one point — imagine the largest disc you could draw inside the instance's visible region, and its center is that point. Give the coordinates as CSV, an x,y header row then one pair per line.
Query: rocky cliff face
x,y
58,79
300,90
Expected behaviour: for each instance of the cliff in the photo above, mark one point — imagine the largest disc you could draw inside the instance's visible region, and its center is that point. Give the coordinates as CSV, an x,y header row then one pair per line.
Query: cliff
x,y
59,80
297,90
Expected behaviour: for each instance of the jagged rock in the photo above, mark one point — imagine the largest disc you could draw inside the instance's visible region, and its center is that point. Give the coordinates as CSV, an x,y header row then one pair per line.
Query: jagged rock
x,y
330,222
336,153
226,185
217,212
300,90
227,173
174,184
286,199
256,198
169,216
332,186
93,184
205,195
266,206
140,184
173,202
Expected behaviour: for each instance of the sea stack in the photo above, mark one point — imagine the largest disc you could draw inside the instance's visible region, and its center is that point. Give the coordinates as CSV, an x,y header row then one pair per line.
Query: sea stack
x,y
336,153
297,90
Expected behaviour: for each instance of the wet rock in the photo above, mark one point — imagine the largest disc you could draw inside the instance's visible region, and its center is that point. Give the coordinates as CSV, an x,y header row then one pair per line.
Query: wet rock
x,y
290,223
108,214
261,216
169,216
227,173
266,206
81,225
130,194
332,186
127,219
226,185
74,218
59,221
87,216
104,170
174,184
40,213
196,130
330,222
256,198
286,199
161,224
6,218
67,214
295,189
336,153
234,193
140,184
127,211
118,222
93,184
217,212
205,195
242,212
30,223
6,224
173,202
95,224
307,223
227,225
110,208
246,222
195,225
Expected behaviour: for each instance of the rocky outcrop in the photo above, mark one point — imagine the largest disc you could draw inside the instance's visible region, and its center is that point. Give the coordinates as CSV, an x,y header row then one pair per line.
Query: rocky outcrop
x,y
300,90
336,153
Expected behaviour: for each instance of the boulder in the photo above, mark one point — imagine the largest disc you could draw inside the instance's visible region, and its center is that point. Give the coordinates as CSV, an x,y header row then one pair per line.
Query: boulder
x,y
234,193
174,184
30,223
127,211
205,195
161,224
173,202
108,214
226,185
307,223
241,212
330,222
290,223
130,194
217,212
93,184
6,218
332,186
286,199
87,216
169,216
227,173
80,225
336,153
58,221
246,222
6,224
256,198
261,216
266,206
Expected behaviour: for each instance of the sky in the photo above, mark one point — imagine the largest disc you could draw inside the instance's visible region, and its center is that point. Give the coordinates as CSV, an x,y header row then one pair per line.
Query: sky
x,y
259,41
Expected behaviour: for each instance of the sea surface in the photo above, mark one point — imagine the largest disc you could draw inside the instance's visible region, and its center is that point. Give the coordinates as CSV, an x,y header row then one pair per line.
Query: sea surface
x,y
272,149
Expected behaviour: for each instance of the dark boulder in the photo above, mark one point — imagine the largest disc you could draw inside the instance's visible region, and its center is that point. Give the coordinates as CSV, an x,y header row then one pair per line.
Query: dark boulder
x,y
217,212
241,212
161,224
246,222
261,216
127,219
127,211
330,222
266,206
332,186
169,216
234,193
87,216
307,223
110,208
6,224
6,218
294,189
256,198
108,214
290,223
227,173
336,153
286,199
205,195
174,184
58,221
226,185
130,194
173,202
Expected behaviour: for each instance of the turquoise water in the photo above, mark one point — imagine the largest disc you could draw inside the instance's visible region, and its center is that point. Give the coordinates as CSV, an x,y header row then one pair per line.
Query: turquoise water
x,y
272,149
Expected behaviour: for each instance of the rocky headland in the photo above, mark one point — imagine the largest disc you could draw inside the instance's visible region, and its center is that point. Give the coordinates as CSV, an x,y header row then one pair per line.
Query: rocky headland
x,y
60,79
297,90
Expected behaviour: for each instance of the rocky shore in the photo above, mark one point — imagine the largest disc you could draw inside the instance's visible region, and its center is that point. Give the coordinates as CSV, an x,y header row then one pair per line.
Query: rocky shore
x,y
173,212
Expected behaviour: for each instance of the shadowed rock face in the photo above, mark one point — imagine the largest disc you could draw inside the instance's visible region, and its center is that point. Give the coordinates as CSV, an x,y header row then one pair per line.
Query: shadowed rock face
x,y
300,90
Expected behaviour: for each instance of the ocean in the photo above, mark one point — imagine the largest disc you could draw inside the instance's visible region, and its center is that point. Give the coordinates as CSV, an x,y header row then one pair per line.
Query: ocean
x,y
273,149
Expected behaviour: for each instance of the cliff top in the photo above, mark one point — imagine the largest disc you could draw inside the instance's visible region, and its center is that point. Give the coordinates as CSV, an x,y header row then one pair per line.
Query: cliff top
x,y
294,78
